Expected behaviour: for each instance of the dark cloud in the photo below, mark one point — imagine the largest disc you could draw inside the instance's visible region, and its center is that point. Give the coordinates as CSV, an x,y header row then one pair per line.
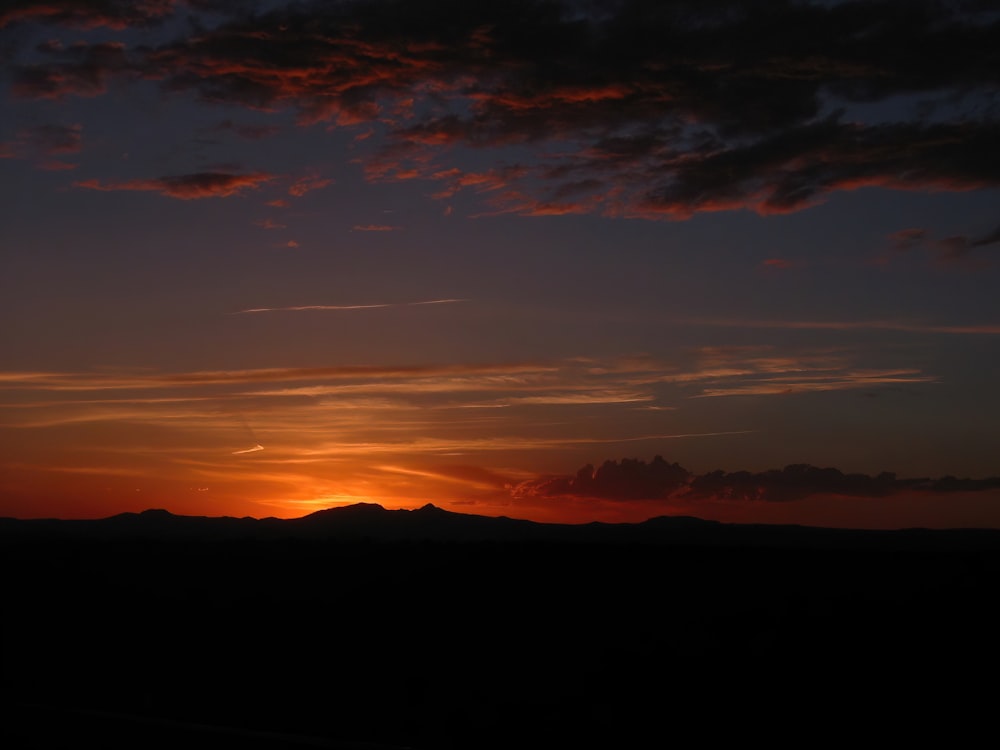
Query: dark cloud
x,y
657,109
629,479
954,249
795,168
791,483
634,479
990,238
188,186
87,14
45,141
80,70
54,139
906,240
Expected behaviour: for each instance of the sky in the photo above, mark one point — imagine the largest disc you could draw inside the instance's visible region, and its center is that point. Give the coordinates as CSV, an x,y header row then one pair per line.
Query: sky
x,y
549,259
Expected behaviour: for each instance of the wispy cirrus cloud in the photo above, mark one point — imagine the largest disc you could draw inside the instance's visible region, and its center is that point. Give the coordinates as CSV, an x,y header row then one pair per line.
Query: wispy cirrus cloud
x,y
971,329
187,186
374,228
709,371
835,381
83,381
341,308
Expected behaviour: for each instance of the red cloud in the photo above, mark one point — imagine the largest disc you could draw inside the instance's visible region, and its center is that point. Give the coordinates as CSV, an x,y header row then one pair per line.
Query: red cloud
x,y
374,228
89,14
269,224
188,186
54,165
45,141
779,263
305,185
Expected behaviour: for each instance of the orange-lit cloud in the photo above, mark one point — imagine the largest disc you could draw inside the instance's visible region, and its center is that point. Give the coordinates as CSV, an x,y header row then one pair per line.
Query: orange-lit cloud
x,y
188,186
374,228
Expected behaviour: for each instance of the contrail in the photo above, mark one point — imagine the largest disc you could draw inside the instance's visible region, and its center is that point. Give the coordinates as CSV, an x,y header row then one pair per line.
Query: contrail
x,y
256,448
253,436
335,308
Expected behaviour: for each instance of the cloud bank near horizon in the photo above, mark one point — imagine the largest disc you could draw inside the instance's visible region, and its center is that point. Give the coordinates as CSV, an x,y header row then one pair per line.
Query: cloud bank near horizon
x,y
634,479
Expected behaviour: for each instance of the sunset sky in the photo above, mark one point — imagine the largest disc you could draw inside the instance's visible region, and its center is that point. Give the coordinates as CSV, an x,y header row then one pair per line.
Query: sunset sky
x,y
263,258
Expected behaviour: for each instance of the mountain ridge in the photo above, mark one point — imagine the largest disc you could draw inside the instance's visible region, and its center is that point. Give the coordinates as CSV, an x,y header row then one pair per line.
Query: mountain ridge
x,y
374,522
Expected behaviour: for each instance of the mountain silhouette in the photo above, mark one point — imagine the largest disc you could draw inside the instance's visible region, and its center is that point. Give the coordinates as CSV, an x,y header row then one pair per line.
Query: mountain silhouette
x,y
373,522
361,626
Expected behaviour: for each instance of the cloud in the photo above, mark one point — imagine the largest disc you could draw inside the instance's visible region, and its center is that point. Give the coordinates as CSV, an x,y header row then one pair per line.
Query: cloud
x,y
778,264
80,70
339,308
567,384
87,14
626,108
634,479
305,185
269,224
54,165
42,142
630,479
972,329
54,139
374,228
954,249
799,383
990,238
187,186
81,381
961,247
906,240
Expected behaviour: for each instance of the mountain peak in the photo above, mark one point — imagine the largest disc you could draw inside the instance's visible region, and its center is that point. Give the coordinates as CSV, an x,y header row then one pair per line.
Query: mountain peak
x,y
156,513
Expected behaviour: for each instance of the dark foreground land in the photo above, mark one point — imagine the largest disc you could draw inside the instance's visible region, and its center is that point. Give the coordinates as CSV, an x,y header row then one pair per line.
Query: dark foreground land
x,y
136,637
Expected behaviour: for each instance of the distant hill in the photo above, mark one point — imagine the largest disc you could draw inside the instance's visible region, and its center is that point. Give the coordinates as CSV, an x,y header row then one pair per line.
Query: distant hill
x,y
369,521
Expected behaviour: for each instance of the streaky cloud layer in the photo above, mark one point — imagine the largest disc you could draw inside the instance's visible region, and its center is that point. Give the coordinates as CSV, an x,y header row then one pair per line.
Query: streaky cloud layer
x,y
337,308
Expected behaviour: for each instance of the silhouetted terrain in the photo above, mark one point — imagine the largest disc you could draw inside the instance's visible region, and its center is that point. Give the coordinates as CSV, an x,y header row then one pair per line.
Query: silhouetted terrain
x,y
429,629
